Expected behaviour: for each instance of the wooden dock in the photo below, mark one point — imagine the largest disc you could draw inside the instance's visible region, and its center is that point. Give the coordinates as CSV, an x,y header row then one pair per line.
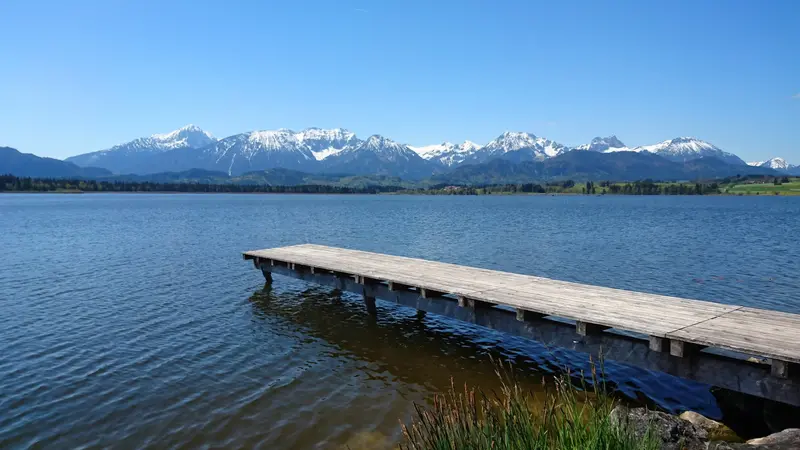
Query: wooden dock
x,y
676,328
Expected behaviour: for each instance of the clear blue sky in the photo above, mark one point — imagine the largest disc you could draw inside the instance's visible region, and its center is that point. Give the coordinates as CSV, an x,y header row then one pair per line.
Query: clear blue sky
x,y
84,75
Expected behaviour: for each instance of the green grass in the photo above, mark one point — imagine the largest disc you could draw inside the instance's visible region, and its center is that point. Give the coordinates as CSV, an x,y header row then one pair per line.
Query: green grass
x,y
791,188
567,418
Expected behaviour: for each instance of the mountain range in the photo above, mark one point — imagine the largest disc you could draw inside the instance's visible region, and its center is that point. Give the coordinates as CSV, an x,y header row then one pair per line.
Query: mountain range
x,y
778,164
14,162
339,151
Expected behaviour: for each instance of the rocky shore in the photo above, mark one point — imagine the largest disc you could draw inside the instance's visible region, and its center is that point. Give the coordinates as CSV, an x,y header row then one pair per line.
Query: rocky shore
x,y
692,431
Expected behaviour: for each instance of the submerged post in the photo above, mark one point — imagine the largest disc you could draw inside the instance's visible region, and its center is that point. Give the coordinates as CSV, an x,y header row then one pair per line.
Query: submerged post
x,y
366,291
370,302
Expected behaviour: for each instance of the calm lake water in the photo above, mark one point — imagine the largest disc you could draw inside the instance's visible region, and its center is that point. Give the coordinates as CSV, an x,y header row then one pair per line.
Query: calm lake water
x,y
131,320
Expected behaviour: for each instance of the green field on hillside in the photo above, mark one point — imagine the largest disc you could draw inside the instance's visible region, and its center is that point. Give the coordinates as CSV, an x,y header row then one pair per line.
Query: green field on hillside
x,y
790,188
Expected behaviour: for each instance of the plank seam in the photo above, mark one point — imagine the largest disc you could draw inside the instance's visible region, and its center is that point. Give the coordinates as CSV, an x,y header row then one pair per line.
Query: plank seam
x,y
704,321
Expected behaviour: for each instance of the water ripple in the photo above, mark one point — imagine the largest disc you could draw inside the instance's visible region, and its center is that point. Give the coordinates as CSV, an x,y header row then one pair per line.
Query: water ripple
x,y
131,321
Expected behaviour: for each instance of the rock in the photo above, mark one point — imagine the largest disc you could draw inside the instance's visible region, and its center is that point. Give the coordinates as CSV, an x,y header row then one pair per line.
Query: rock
x,y
674,433
716,431
788,438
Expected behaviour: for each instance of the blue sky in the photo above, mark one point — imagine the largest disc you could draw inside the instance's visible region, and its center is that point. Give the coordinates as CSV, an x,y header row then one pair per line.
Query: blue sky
x,y
81,76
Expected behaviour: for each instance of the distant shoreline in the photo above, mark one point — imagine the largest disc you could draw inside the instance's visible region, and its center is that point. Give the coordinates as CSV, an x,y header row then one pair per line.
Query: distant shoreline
x,y
422,194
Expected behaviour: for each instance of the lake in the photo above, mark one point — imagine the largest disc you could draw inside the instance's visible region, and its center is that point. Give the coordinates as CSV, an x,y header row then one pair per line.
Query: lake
x,y
131,320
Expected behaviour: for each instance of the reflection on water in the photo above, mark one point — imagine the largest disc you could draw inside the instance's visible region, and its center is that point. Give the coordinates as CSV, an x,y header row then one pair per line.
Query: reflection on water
x,y
418,355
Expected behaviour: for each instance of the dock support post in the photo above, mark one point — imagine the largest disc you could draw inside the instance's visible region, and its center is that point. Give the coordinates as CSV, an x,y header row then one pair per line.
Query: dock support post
x,y
659,344
267,276
585,328
427,293
464,302
780,369
683,349
366,291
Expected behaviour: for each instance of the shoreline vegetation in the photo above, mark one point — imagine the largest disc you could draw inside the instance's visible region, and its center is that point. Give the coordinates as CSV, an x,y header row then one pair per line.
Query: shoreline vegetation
x,y
571,416
740,186
567,417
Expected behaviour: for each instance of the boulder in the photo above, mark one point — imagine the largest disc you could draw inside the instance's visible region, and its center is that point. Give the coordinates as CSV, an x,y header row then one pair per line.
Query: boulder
x,y
788,438
716,431
674,433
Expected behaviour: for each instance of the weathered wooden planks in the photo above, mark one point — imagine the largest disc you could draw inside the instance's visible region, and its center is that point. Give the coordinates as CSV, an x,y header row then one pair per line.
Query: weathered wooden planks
x,y
686,325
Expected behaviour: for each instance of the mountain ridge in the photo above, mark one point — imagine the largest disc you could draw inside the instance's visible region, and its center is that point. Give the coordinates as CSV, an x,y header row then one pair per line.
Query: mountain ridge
x,y
14,162
318,150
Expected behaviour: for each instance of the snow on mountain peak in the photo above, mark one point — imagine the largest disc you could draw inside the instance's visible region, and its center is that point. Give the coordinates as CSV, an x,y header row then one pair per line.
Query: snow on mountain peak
x,y
686,148
190,136
432,151
335,134
469,145
510,141
776,163
188,132
447,153
604,144
377,142
274,139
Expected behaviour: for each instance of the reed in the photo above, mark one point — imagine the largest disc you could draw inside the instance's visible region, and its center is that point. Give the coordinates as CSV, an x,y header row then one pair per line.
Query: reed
x,y
569,417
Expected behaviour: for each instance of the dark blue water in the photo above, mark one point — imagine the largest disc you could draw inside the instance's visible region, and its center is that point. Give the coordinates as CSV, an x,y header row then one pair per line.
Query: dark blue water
x,y
131,320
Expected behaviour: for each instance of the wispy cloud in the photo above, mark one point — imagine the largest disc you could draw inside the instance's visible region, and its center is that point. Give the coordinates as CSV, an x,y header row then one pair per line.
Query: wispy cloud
x,y
360,10
796,96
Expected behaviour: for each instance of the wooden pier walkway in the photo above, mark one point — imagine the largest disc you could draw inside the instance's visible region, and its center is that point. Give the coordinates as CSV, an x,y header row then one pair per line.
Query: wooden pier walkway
x,y
674,326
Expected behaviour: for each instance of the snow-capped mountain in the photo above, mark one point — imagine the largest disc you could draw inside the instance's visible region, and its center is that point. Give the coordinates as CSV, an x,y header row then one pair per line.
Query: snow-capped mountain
x,y
606,144
381,156
267,149
686,148
517,146
255,150
134,156
190,136
447,153
324,143
778,164
310,150
341,151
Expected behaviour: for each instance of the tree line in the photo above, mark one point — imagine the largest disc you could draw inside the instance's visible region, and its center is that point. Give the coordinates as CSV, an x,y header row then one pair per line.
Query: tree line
x,y
11,183
645,187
